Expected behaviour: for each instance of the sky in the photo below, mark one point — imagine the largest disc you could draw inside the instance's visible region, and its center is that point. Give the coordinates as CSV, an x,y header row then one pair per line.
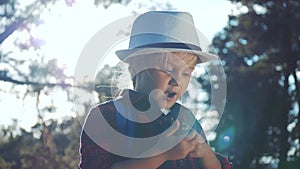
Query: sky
x,y
66,30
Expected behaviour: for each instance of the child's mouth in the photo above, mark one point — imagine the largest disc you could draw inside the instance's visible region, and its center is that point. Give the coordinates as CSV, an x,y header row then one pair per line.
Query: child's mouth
x,y
170,95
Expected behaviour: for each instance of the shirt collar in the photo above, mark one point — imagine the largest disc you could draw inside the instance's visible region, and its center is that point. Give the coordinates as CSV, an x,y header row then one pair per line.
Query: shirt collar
x,y
139,100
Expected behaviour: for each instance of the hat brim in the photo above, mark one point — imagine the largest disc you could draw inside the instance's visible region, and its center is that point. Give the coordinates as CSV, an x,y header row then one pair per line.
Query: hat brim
x,y
128,53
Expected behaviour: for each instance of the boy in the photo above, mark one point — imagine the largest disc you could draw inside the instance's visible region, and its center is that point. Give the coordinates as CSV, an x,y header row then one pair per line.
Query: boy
x,y
155,131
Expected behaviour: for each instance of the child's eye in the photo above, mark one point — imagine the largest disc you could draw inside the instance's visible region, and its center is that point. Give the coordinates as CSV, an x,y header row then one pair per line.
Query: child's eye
x,y
187,74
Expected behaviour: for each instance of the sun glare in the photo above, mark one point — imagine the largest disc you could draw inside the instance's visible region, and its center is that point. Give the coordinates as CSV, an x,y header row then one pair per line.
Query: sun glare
x,y
64,30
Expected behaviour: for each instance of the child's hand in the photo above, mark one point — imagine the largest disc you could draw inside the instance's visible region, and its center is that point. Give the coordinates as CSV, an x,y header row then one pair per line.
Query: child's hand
x,y
202,150
186,146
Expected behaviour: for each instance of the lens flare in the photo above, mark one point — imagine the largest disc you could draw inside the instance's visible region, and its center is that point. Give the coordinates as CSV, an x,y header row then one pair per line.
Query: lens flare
x,y
226,138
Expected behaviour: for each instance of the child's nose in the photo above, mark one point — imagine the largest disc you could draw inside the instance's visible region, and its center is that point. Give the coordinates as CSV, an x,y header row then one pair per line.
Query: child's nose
x,y
173,82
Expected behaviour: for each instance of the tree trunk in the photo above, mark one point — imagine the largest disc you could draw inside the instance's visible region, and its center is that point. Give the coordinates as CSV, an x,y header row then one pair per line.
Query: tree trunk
x,y
283,138
297,100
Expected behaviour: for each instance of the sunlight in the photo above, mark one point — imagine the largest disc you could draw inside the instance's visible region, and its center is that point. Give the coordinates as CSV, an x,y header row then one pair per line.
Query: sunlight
x,y
67,29
64,30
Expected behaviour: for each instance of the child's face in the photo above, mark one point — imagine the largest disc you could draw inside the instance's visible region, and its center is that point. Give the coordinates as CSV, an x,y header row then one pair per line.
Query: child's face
x,y
167,84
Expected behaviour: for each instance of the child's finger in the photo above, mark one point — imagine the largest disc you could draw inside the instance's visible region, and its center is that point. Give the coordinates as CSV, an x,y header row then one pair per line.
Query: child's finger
x,y
195,138
193,154
201,139
173,128
191,135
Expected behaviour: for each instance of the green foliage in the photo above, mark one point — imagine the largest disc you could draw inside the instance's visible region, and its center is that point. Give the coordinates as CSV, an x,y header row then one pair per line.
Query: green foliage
x,y
31,149
106,3
50,143
4,164
260,48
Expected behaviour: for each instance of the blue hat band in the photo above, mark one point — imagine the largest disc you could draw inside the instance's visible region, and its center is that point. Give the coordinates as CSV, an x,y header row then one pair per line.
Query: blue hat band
x,y
171,45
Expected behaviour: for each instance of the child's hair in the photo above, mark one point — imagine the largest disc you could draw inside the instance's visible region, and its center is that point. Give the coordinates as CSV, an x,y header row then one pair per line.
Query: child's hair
x,y
128,71
126,74
122,79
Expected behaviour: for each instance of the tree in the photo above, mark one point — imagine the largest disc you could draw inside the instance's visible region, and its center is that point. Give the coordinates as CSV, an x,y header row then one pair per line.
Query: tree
x,y
31,150
49,143
260,50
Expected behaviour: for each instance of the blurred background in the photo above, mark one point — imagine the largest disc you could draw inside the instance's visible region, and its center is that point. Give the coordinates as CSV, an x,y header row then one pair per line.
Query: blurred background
x,y
258,42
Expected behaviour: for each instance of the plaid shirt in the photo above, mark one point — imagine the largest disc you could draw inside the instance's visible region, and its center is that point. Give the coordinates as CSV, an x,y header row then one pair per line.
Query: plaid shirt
x,y
95,157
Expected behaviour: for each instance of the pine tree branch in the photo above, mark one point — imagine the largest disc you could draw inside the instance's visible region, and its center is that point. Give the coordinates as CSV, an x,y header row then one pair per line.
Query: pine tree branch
x,y
50,85
10,29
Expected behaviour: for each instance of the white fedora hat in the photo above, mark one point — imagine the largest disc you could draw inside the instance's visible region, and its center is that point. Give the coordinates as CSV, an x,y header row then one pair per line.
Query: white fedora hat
x,y
164,31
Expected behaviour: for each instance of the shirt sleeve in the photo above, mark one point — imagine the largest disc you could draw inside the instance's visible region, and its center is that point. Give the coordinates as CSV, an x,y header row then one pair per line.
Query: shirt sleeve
x,y
225,163
93,156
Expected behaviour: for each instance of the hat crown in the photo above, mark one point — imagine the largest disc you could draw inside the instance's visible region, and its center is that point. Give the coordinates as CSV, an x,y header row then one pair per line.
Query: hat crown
x,y
157,27
161,32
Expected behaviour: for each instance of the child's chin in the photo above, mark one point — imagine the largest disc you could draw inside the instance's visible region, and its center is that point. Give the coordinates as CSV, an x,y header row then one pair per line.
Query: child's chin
x,y
169,105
